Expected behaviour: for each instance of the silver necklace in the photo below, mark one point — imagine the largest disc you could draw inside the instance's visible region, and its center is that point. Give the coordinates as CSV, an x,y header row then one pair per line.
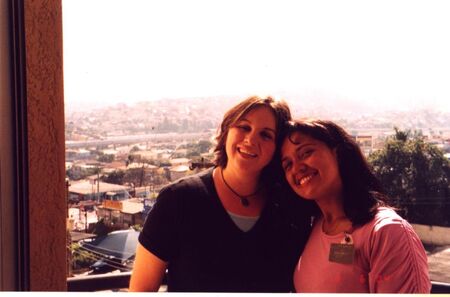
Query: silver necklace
x,y
244,199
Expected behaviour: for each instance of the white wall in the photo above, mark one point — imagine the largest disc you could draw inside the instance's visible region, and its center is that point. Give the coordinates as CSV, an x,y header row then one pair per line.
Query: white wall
x,y
433,234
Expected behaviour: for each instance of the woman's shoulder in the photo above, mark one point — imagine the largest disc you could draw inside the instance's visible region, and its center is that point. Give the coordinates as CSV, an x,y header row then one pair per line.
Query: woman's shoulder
x,y
386,216
198,181
387,223
388,232
183,196
189,190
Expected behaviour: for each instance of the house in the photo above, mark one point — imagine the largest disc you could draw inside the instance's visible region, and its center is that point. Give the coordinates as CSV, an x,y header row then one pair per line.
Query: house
x,y
94,190
121,214
177,172
365,143
148,168
179,161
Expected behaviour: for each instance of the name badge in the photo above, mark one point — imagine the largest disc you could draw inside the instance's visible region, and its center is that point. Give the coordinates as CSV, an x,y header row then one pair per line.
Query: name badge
x,y
343,252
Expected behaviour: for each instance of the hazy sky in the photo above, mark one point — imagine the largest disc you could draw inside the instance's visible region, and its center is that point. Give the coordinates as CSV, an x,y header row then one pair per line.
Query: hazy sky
x,y
393,54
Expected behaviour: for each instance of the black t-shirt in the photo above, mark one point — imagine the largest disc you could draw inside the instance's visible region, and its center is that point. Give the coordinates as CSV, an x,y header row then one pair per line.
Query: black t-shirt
x,y
189,228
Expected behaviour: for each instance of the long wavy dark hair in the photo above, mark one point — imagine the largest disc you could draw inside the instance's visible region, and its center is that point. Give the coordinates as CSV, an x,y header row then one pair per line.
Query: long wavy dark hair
x,y
282,114
362,191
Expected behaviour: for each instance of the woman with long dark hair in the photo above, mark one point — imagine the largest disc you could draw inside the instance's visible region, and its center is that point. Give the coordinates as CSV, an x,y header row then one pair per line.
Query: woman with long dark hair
x,y
358,244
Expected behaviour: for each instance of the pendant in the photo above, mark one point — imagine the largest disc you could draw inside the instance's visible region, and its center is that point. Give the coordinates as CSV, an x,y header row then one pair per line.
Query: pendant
x,y
244,202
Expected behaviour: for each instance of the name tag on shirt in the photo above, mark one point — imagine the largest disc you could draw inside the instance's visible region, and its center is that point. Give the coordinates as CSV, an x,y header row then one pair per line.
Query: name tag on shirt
x,y
343,252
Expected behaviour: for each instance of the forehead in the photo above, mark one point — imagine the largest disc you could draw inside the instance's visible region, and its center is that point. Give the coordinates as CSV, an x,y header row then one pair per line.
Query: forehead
x,y
295,140
261,114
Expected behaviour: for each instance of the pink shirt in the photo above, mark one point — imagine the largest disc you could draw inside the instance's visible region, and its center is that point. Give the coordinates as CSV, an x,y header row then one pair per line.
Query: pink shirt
x,y
389,258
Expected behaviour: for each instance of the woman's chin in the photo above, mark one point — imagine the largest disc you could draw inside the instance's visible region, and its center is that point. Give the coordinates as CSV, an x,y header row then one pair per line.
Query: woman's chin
x,y
305,196
308,198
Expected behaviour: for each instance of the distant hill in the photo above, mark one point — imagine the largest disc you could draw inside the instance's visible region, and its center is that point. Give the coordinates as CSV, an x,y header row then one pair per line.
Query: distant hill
x,y
186,115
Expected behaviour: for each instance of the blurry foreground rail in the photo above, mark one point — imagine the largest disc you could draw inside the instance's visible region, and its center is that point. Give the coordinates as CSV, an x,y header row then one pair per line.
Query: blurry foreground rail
x,y
101,282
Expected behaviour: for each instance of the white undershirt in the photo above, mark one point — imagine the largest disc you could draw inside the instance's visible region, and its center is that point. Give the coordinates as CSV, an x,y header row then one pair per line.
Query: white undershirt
x,y
244,223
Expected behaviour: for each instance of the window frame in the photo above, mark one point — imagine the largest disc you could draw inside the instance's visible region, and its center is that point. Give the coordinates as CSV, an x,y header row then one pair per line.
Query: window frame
x,y
33,233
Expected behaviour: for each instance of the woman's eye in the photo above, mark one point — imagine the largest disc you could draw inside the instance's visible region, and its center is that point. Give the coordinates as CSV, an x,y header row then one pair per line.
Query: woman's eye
x,y
286,166
266,135
306,154
243,127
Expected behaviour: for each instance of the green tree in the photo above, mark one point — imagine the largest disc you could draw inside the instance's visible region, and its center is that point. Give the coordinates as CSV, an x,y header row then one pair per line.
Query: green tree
x,y
134,149
137,227
115,177
105,158
101,229
137,176
81,258
416,176
204,146
77,173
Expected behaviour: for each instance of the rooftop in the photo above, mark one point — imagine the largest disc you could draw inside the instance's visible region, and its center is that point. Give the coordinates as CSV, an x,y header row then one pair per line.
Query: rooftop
x,y
86,187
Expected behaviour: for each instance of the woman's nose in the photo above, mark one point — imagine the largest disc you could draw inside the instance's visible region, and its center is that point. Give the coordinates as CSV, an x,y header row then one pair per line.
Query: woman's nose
x,y
299,166
250,137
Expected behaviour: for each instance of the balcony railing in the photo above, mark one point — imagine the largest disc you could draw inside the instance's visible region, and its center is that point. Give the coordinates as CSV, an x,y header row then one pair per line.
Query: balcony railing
x,y
102,282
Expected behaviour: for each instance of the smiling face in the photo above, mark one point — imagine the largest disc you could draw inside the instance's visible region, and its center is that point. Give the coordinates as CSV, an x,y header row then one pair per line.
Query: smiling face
x,y
250,142
311,167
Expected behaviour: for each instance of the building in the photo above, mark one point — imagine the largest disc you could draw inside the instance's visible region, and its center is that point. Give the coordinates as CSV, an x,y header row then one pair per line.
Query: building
x,y
365,143
177,172
72,154
99,191
179,161
121,214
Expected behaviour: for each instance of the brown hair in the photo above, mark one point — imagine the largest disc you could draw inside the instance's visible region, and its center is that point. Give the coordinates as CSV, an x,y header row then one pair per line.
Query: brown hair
x,y
280,110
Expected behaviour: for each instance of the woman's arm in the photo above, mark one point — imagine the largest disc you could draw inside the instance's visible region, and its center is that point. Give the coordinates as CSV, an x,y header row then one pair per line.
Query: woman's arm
x,y
148,271
158,242
398,261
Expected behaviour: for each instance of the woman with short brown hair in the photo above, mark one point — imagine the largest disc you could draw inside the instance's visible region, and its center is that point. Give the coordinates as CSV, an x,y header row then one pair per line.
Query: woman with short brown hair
x,y
231,228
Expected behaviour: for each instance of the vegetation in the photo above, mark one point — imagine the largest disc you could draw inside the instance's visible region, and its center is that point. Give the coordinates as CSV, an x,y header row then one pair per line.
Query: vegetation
x,y
137,227
81,259
416,176
101,229
77,173
197,148
137,176
115,177
135,149
105,158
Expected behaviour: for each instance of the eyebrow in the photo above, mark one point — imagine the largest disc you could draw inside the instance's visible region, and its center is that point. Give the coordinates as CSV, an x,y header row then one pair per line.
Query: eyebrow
x,y
284,159
265,128
300,146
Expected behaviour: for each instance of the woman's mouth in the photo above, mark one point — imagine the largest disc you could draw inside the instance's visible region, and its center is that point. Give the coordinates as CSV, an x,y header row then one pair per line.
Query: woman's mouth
x,y
246,153
303,180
